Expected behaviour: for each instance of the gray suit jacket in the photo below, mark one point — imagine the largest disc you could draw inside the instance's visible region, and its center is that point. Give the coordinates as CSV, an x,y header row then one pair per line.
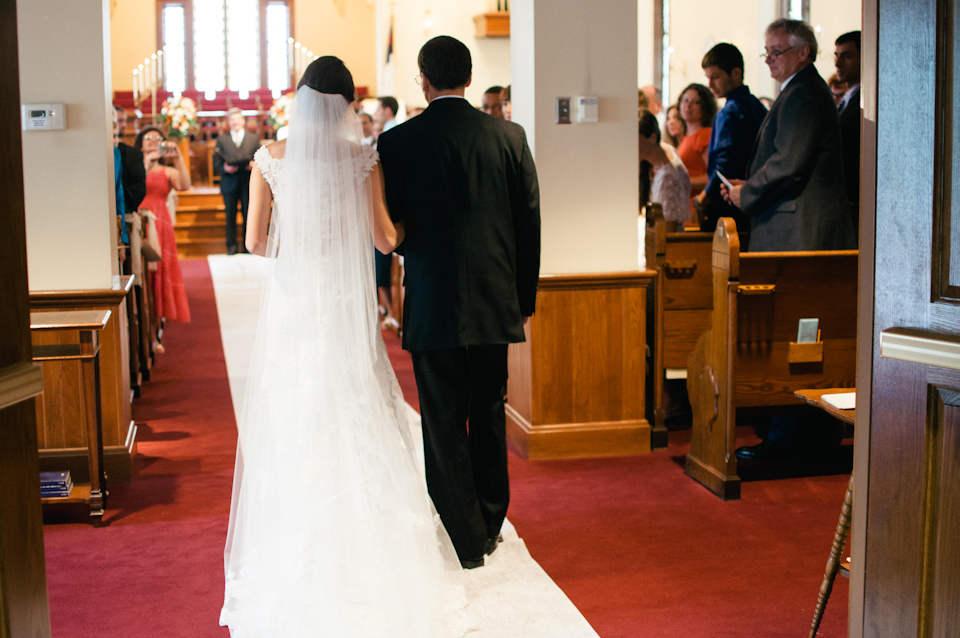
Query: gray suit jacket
x,y
794,194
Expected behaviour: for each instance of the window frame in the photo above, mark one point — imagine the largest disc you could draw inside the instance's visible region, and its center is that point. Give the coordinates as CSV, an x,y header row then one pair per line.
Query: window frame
x,y
188,36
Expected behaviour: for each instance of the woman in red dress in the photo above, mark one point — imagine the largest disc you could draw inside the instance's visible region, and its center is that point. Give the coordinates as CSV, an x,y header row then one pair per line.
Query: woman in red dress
x,y
697,108
169,294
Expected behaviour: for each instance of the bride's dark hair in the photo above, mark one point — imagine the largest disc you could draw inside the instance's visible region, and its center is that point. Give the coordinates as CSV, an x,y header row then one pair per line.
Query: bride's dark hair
x,y
329,75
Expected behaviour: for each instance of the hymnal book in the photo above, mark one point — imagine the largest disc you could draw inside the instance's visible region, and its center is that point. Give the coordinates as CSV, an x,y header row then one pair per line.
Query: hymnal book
x,y
55,484
841,400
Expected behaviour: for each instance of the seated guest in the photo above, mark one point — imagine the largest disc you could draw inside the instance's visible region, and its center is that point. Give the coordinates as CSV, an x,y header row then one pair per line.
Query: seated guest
x,y
233,159
654,99
134,176
838,88
505,105
366,127
794,195
697,108
170,296
734,131
663,177
386,114
490,103
675,127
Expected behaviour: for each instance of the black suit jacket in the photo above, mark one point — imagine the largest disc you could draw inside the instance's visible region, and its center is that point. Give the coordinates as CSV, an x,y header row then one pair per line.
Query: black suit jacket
x,y
850,135
134,176
465,186
226,152
795,194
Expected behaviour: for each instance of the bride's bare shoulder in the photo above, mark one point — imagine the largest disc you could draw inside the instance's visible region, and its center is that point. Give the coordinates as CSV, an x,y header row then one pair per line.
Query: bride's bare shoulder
x,y
276,149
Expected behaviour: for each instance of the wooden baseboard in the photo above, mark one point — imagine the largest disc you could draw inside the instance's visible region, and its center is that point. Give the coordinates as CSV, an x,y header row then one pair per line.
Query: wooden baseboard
x,y
118,460
577,440
727,488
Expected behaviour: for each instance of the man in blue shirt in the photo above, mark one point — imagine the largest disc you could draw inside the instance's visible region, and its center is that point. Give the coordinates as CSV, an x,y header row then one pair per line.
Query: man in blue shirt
x,y
735,130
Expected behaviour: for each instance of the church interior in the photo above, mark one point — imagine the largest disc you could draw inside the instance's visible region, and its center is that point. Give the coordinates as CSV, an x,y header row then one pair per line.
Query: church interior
x,y
657,349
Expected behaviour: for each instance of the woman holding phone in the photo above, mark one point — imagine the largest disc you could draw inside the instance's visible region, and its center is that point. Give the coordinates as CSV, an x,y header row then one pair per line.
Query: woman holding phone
x,y
170,296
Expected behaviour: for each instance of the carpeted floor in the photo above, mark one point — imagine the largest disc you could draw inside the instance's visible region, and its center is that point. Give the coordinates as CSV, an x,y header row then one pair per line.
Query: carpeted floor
x,y
640,549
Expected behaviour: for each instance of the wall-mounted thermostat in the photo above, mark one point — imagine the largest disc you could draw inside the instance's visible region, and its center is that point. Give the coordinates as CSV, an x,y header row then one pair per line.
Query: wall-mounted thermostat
x,y
43,117
589,109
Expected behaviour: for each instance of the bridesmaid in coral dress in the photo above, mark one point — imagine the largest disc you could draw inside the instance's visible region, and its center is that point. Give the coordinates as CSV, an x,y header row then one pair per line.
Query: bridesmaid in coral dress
x,y
170,296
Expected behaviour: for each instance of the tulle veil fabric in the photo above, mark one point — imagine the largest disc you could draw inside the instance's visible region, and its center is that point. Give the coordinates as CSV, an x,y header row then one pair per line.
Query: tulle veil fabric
x,y
332,532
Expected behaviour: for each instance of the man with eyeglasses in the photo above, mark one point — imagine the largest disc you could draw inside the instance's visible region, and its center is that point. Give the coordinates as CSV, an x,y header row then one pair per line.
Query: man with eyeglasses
x,y
794,194
795,198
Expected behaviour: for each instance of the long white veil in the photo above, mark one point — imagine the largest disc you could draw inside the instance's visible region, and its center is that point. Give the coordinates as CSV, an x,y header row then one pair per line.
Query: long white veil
x,y
325,518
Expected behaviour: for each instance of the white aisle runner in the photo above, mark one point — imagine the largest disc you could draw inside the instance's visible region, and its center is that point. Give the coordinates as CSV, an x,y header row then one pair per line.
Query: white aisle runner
x,y
511,596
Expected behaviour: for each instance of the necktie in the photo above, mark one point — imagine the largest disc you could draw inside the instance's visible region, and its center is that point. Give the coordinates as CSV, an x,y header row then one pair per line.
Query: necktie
x,y
842,104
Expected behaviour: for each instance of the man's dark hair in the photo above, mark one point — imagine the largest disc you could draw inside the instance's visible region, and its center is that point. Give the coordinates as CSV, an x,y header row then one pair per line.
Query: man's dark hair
x,y
446,62
365,115
330,75
119,108
390,102
853,36
725,57
493,89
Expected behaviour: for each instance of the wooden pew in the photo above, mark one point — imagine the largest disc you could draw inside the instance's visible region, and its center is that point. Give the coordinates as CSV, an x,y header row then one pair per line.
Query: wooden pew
x,y
678,305
747,358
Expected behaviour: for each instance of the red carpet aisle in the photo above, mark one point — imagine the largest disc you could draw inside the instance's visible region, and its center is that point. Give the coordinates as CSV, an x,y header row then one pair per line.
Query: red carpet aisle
x,y
157,569
639,548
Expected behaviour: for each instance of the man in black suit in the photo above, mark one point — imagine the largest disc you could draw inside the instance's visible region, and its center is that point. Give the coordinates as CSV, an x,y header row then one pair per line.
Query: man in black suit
x,y
847,60
465,186
233,159
795,194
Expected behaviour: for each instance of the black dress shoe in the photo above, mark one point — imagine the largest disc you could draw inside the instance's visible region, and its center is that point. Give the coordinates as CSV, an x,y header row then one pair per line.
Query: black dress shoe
x,y
765,451
471,564
491,544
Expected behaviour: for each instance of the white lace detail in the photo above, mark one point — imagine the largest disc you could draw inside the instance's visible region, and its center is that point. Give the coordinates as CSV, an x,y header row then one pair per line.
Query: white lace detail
x,y
368,159
270,167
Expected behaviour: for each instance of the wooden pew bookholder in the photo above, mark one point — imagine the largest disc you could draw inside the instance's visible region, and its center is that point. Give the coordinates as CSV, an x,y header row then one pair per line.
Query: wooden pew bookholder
x,y
749,358
678,305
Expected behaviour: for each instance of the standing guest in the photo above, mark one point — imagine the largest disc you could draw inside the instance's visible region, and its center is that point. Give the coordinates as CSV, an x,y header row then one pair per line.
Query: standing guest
x,y
794,194
767,102
675,127
795,199
734,131
643,104
415,111
670,184
847,60
386,113
697,108
505,105
465,186
491,103
366,127
233,159
838,88
170,296
121,205
654,99
134,177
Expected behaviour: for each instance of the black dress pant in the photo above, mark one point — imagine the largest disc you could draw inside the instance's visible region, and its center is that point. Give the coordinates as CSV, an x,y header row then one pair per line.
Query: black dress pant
x,y
241,194
466,466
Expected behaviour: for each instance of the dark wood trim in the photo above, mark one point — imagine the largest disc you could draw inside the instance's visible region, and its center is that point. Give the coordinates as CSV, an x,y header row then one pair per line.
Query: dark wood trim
x,y
658,50
263,42
43,299
118,460
944,187
593,281
865,307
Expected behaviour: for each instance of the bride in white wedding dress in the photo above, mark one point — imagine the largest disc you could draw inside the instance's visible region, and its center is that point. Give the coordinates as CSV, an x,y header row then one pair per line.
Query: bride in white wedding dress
x,y
332,532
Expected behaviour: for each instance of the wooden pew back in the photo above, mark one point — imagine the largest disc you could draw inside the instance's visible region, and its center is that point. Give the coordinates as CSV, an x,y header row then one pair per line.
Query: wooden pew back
x,y
749,358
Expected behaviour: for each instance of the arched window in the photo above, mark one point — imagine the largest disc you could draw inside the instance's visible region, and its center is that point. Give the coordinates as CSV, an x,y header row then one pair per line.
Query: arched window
x,y
212,45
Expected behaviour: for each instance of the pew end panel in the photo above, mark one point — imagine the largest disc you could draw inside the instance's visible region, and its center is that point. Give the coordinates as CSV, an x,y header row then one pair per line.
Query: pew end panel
x,y
711,461
745,359
655,241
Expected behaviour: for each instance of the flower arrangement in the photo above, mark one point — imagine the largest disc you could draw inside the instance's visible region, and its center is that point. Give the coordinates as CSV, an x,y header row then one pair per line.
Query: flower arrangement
x,y
179,117
280,111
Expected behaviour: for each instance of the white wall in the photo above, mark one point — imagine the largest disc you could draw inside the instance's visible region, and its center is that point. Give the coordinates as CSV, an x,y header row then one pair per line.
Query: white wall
x,y
491,56
68,174
588,172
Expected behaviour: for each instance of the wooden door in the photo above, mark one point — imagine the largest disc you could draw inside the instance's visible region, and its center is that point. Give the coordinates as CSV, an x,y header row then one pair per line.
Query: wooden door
x,y
907,506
